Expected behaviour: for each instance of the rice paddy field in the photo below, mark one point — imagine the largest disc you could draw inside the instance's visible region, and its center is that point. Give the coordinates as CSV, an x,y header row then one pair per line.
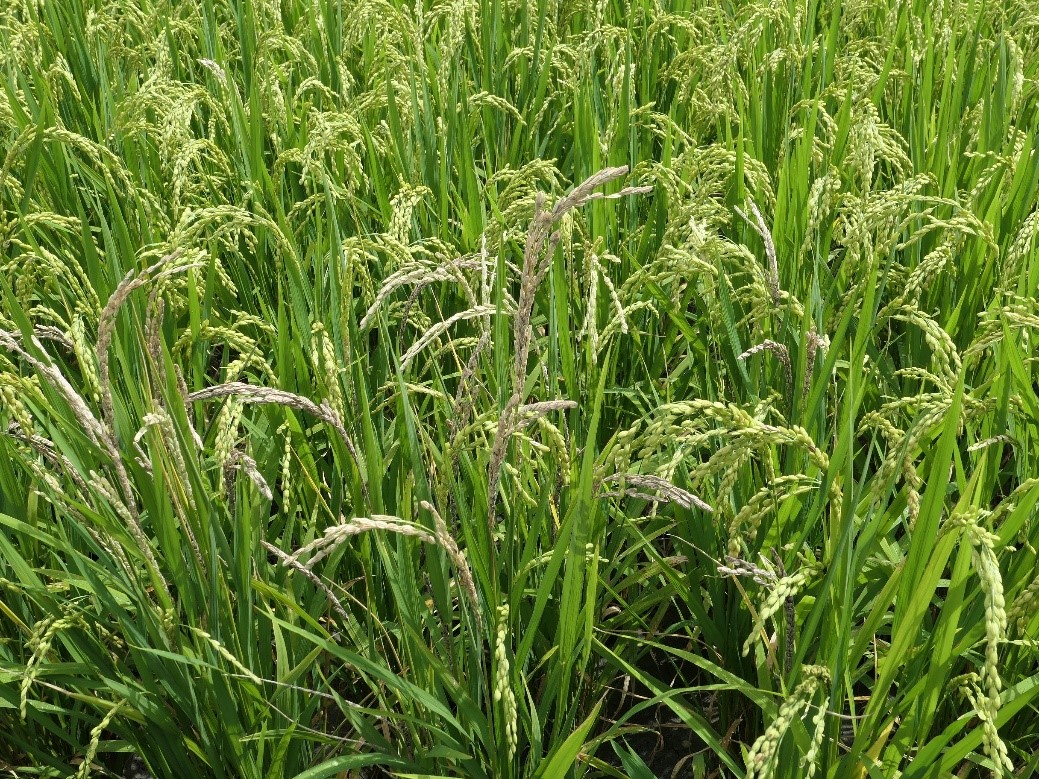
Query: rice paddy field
x,y
506,389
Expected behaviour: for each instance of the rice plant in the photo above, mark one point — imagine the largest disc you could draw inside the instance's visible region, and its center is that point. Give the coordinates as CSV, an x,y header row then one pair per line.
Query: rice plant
x,y
501,390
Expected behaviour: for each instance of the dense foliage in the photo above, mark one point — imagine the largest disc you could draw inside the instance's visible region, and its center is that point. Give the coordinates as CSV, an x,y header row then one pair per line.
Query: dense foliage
x,y
500,389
